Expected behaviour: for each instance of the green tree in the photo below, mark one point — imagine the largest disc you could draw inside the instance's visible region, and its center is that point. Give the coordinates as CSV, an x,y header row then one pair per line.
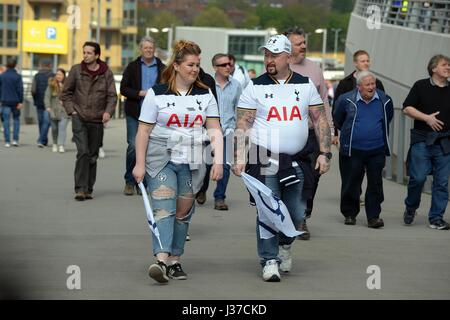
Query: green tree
x,y
213,17
158,20
342,6
251,21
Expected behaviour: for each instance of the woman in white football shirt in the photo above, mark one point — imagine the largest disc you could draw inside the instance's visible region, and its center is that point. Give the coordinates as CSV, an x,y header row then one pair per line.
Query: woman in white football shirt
x,y
169,150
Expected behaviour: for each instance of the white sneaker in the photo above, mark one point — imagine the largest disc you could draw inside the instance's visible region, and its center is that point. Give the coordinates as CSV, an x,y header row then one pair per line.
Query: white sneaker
x,y
54,148
270,271
61,149
101,153
7,145
15,143
284,253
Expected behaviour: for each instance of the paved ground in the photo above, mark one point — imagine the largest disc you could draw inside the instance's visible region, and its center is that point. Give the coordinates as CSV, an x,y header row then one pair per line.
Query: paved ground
x,y
43,231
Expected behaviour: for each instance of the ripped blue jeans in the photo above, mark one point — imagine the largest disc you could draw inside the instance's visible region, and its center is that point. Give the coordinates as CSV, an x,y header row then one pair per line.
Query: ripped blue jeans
x,y
172,182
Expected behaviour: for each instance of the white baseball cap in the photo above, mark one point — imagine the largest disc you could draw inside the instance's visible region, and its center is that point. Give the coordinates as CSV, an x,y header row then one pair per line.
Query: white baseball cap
x,y
277,44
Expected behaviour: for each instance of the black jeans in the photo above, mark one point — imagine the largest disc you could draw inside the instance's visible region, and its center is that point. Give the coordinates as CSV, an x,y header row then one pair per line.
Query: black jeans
x,y
88,137
352,174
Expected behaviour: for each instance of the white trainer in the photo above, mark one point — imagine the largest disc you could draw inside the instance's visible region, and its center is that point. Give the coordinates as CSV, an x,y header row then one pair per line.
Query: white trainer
x,y
54,148
61,149
270,271
101,153
284,253
7,145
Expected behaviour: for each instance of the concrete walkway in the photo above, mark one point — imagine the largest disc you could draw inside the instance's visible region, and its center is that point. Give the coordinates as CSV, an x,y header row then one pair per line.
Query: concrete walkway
x,y
44,231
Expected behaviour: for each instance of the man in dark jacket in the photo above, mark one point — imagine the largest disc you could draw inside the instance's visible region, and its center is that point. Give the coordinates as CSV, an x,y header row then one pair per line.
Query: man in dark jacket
x,y
139,76
11,98
90,97
38,87
363,116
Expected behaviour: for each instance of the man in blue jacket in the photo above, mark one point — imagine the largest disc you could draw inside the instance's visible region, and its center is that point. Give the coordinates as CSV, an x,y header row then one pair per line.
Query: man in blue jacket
x,y
363,116
11,98
38,87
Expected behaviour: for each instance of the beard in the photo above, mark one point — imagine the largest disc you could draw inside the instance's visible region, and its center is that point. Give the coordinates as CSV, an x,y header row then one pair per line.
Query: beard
x,y
273,70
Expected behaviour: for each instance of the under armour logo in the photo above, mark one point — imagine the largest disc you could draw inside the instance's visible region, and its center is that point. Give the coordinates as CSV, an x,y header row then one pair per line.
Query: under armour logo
x,y
269,95
199,105
170,104
297,93
272,41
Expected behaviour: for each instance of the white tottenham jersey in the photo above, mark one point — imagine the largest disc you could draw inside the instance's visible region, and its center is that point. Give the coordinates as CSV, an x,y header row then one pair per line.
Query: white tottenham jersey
x,y
178,118
281,123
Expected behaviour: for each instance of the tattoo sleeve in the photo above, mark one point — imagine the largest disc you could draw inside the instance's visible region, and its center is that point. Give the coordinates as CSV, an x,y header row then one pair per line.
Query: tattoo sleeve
x,y
244,122
321,127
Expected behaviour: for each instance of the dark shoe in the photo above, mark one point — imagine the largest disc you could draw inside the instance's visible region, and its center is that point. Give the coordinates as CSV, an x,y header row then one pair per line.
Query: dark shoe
x,y
351,221
188,237
440,224
80,196
408,217
220,205
176,272
158,271
88,196
306,235
201,197
138,191
128,190
375,223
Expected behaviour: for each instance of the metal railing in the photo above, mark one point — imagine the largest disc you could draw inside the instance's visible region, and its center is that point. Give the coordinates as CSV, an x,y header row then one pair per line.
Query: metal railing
x,y
431,16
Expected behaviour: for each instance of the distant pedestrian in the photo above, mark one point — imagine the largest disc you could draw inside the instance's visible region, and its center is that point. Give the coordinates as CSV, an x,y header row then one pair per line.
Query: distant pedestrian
x,y
302,65
252,73
363,116
11,99
139,76
169,149
89,96
58,116
38,87
239,72
228,92
428,103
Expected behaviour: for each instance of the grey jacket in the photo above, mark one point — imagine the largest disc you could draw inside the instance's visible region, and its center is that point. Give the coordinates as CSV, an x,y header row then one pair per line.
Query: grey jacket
x,y
158,155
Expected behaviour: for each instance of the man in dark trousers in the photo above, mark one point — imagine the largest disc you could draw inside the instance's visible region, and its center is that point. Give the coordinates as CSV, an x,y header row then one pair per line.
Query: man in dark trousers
x,y
139,76
363,116
11,99
428,103
361,61
90,97
38,87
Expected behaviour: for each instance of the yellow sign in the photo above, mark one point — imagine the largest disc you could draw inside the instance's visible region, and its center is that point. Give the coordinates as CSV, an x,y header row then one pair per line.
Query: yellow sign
x,y
45,37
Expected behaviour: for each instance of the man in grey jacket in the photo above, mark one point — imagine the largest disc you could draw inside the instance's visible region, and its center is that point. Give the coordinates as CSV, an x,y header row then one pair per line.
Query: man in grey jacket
x,y
90,97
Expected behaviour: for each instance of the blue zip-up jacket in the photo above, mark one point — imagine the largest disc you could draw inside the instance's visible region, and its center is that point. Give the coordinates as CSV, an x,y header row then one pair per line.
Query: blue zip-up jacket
x,y
11,88
344,115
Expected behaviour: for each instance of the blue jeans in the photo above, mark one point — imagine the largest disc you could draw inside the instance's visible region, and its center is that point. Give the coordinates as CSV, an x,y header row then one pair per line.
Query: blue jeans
x,y
59,130
6,112
221,188
173,181
424,160
44,125
292,198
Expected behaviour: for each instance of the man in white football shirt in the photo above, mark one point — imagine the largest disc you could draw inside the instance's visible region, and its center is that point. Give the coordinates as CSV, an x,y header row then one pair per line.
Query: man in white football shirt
x,y
276,107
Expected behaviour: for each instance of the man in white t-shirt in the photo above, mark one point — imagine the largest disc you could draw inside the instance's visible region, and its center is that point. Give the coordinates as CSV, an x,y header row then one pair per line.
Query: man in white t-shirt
x,y
239,72
275,108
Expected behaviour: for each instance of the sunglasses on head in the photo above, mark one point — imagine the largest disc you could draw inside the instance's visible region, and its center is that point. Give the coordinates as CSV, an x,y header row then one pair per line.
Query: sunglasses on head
x,y
224,65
